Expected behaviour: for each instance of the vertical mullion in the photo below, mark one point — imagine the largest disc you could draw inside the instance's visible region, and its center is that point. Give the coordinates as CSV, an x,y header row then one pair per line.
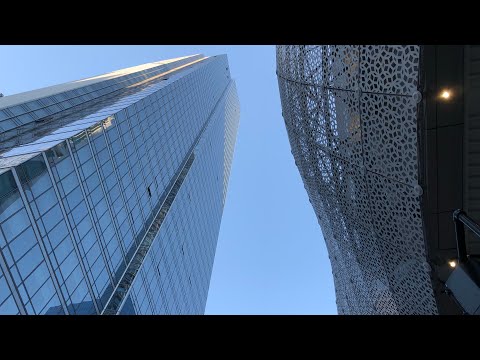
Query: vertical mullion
x,y
11,284
127,119
40,241
127,159
94,223
142,134
122,193
67,223
107,200
142,277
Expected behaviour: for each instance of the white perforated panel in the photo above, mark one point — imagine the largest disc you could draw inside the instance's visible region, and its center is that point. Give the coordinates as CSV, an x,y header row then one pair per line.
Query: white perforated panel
x,y
351,117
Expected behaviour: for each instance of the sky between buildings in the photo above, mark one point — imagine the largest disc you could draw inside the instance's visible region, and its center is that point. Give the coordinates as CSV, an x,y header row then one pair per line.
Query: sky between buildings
x,y
271,257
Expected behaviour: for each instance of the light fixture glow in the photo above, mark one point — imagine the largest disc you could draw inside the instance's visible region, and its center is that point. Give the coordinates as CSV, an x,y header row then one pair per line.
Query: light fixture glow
x,y
452,263
445,94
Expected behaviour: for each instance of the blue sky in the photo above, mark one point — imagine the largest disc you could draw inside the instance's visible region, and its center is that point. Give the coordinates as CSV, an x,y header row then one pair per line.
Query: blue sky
x,y
271,257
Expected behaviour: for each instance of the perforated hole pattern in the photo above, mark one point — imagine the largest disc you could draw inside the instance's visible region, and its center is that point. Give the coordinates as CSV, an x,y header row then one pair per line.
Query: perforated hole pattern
x,y
351,118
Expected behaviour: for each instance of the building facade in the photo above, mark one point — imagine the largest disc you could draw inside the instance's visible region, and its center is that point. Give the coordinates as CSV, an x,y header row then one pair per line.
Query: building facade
x,y
112,189
377,135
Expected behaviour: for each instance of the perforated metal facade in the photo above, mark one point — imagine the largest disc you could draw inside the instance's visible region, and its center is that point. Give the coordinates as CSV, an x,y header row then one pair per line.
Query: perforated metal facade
x,y
352,117
112,201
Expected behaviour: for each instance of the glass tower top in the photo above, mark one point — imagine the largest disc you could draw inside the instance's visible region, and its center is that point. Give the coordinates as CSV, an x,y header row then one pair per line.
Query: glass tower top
x,y
112,189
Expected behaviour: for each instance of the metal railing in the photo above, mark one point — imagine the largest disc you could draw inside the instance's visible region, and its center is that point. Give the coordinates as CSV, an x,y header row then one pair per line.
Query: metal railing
x,y
463,283
461,220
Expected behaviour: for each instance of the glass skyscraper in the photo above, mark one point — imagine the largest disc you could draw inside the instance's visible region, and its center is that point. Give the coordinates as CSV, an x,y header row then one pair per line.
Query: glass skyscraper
x,y
112,189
